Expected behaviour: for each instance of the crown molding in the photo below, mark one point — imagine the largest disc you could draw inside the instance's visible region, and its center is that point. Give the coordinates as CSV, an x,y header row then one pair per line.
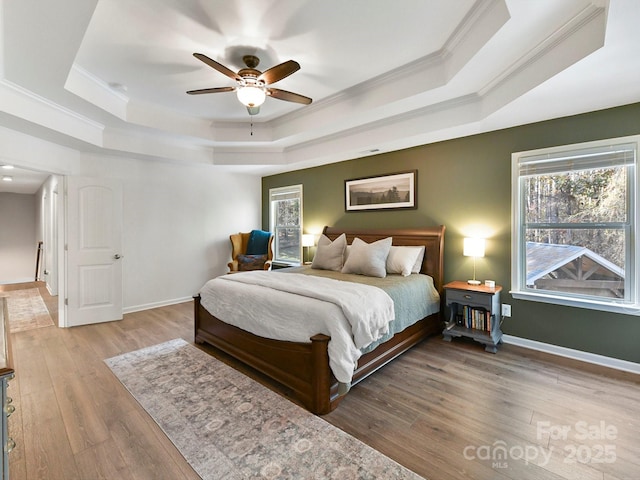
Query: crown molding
x,y
585,32
25,104
427,73
87,86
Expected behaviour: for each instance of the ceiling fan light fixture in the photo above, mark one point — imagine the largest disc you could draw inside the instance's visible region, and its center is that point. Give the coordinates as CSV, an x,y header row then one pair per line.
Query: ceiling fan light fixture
x,y
251,96
253,86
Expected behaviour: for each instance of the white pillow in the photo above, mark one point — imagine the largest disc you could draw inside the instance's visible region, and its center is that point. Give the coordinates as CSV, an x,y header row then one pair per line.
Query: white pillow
x,y
418,265
329,255
402,259
368,258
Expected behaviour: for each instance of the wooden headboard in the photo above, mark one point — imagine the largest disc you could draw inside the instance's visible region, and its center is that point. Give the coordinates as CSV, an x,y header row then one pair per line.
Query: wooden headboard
x,y
431,237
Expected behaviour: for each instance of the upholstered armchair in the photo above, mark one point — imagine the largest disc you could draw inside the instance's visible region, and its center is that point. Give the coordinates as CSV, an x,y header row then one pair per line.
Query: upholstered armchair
x,y
251,251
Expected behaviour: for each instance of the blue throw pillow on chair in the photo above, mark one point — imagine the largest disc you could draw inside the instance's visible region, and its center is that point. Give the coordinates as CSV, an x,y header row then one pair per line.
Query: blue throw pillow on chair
x,y
258,242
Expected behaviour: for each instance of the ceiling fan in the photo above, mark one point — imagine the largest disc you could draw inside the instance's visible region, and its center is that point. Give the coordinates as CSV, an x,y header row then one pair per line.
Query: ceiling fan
x,y
253,85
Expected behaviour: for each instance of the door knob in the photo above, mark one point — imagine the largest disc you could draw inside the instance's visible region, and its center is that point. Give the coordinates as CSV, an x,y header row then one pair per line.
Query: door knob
x,y
117,256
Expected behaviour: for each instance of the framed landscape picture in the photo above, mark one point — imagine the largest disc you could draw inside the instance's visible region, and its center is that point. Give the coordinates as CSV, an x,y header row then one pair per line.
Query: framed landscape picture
x,y
396,190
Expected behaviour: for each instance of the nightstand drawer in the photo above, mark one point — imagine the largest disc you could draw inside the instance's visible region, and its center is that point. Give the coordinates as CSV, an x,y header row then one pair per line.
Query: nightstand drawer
x,y
474,299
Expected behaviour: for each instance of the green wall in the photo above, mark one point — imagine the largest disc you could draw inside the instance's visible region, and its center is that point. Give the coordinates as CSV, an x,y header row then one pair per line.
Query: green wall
x,y
466,182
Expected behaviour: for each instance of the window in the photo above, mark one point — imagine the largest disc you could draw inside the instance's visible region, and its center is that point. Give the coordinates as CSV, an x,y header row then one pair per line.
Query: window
x,y
574,225
285,221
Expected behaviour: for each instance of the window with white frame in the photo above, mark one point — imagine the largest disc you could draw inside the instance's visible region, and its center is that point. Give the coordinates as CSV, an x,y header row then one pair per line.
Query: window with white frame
x,y
285,221
574,225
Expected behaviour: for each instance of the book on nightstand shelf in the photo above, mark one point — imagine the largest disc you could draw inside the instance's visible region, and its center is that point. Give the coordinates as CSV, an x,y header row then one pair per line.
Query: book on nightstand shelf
x,y
476,318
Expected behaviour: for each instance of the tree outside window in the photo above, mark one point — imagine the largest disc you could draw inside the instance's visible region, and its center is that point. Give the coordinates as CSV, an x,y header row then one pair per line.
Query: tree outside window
x,y
286,222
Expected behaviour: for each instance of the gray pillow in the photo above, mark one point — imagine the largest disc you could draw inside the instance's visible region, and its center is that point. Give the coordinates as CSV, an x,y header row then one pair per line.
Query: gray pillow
x,y
368,258
330,255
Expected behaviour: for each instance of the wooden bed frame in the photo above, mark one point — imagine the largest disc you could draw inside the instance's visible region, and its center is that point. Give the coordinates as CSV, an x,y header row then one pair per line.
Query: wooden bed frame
x,y
302,369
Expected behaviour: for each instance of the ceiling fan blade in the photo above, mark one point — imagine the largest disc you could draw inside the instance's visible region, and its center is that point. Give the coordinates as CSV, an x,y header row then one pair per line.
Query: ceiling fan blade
x,y
211,90
288,96
277,73
218,66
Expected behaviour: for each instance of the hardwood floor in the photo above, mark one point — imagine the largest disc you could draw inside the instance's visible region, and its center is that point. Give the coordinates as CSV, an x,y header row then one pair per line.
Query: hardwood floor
x,y
73,418
443,410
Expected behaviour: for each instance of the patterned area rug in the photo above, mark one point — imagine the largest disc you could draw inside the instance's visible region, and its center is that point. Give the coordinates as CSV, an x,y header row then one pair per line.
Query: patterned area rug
x,y
228,426
26,310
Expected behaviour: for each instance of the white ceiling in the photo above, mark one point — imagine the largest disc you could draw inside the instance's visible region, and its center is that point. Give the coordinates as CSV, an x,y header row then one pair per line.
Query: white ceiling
x,y
22,181
111,75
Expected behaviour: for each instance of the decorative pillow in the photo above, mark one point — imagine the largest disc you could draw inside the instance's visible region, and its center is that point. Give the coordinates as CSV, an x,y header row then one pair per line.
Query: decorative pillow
x,y
251,262
402,259
418,265
258,243
329,255
368,258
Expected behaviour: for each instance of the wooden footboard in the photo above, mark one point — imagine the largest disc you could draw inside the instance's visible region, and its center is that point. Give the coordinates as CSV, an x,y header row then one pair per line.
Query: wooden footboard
x,y
302,369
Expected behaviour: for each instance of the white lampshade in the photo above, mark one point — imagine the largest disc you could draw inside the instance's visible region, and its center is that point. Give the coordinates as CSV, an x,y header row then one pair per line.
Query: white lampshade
x,y
473,247
251,96
308,240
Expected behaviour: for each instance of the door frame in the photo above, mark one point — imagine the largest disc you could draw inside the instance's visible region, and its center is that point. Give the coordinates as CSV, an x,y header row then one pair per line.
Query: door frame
x,y
60,234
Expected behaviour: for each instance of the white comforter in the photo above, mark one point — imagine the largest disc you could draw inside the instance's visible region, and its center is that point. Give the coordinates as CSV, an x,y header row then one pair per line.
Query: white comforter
x,y
353,315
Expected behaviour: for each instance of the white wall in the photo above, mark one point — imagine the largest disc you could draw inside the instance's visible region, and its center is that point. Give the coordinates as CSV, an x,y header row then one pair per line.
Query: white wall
x,y
177,217
18,242
177,221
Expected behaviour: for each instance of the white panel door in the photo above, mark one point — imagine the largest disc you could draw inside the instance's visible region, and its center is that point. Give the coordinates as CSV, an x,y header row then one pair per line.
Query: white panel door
x,y
94,250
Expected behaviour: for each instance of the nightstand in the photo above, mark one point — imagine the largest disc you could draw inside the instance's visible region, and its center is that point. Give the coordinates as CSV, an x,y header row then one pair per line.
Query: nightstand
x,y
474,312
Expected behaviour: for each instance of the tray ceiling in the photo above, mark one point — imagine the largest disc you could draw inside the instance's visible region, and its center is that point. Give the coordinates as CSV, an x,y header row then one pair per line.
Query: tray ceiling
x,y
111,76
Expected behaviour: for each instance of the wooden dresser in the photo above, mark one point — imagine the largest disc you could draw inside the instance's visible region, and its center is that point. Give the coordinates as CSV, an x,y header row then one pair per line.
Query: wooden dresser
x,y
6,374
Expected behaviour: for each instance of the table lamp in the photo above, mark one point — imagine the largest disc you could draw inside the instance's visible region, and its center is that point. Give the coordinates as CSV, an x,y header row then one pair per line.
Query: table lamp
x,y
473,247
308,241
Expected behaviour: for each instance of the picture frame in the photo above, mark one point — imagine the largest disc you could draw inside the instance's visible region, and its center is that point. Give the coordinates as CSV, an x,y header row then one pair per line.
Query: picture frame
x,y
392,191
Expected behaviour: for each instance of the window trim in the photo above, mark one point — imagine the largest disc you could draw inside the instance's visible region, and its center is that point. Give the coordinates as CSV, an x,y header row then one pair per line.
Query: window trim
x,y
518,268
289,189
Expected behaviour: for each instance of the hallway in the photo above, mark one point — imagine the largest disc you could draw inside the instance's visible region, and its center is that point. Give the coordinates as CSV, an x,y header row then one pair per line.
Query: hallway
x,y
50,302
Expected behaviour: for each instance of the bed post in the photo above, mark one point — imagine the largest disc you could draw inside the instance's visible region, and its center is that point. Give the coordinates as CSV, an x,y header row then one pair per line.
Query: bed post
x,y
196,316
320,374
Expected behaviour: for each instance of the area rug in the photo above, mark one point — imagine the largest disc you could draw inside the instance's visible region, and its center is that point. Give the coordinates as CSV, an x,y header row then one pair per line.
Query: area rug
x,y
26,310
229,426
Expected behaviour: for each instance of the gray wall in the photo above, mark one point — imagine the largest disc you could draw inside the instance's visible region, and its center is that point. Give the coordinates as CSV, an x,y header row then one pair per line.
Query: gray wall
x,y
18,242
467,181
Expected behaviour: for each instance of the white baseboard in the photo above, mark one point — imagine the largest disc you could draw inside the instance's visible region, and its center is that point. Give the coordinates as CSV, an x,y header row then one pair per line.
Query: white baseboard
x,y
594,358
149,306
50,290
